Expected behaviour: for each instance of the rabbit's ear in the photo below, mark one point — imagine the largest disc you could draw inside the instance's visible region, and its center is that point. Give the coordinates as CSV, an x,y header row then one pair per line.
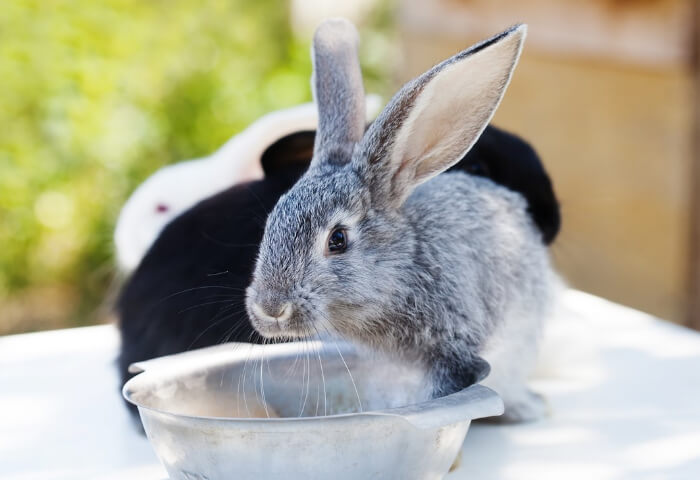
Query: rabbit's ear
x,y
337,89
435,119
294,150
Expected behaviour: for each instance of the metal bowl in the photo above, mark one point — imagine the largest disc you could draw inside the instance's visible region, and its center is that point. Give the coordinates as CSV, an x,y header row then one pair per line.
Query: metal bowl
x,y
299,411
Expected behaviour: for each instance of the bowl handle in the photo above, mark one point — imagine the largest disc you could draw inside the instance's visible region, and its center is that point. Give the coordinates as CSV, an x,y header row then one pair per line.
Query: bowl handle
x,y
471,403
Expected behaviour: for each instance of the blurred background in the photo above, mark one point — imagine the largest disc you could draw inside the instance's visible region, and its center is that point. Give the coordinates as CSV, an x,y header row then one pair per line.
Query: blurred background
x,y
98,95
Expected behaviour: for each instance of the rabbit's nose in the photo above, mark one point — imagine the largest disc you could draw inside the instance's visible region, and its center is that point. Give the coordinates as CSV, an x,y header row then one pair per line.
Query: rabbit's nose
x,y
269,313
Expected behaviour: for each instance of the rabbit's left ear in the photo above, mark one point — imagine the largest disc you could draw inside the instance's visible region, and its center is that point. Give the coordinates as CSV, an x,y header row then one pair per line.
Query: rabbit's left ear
x,y
435,119
338,92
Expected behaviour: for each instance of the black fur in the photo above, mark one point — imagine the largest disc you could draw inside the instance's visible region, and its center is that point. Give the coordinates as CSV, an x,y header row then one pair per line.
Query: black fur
x,y
189,290
510,161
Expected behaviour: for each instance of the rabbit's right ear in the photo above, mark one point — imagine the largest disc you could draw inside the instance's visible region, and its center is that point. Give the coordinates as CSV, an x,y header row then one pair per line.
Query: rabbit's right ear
x,y
435,119
291,151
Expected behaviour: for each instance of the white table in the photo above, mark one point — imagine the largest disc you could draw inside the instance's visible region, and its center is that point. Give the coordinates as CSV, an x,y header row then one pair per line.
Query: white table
x,y
624,389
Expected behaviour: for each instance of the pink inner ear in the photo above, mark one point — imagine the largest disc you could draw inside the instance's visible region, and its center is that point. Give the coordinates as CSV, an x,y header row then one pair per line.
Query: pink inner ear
x,y
162,208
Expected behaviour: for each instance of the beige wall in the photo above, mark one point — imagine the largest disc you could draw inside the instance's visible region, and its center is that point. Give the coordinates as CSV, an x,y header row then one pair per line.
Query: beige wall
x,y
616,138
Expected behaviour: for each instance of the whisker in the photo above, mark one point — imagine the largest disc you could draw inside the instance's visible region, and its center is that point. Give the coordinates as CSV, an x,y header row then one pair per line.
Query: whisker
x,y
234,347
328,326
192,307
212,324
307,369
318,388
192,289
257,197
245,366
323,378
218,273
262,382
226,337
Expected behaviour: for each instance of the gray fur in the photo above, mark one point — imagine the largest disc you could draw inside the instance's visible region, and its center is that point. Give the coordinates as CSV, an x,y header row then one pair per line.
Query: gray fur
x,y
439,272
337,88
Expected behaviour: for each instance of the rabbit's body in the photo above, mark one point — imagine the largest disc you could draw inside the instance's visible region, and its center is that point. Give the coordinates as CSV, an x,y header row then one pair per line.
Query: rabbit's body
x,y
490,285
466,275
371,244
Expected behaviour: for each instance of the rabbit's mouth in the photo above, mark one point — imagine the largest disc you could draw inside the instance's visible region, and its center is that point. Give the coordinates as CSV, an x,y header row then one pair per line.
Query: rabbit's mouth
x,y
284,321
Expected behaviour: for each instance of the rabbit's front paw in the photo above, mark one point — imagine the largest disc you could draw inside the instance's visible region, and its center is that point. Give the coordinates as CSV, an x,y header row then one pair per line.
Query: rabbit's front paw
x,y
529,407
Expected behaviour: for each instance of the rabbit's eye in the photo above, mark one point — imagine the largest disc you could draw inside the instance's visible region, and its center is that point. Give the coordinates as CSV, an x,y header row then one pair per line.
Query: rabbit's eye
x,y
337,240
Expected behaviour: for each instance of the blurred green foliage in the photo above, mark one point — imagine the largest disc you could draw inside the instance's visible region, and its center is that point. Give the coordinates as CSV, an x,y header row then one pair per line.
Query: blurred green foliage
x,y
96,96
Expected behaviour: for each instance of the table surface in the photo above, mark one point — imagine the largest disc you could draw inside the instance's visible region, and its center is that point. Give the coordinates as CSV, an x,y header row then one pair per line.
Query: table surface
x,y
623,387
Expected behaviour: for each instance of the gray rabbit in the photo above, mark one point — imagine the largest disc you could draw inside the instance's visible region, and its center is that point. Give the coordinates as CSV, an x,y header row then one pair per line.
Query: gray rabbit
x,y
373,246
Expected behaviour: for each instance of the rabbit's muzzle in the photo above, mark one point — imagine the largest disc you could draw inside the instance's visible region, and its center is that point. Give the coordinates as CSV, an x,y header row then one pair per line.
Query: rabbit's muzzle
x,y
278,314
271,316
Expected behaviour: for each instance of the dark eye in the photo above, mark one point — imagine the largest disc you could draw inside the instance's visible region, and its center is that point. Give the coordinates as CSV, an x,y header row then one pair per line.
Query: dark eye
x,y
162,208
337,240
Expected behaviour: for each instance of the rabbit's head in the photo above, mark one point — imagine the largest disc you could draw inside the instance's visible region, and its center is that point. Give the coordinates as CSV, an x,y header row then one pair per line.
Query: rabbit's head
x,y
338,246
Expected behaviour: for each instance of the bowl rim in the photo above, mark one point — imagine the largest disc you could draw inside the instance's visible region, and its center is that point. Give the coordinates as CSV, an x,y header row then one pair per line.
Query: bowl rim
x,y
472,402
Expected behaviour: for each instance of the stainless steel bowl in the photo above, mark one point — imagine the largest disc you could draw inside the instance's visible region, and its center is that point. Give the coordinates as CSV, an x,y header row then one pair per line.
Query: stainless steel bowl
x,y
333,413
